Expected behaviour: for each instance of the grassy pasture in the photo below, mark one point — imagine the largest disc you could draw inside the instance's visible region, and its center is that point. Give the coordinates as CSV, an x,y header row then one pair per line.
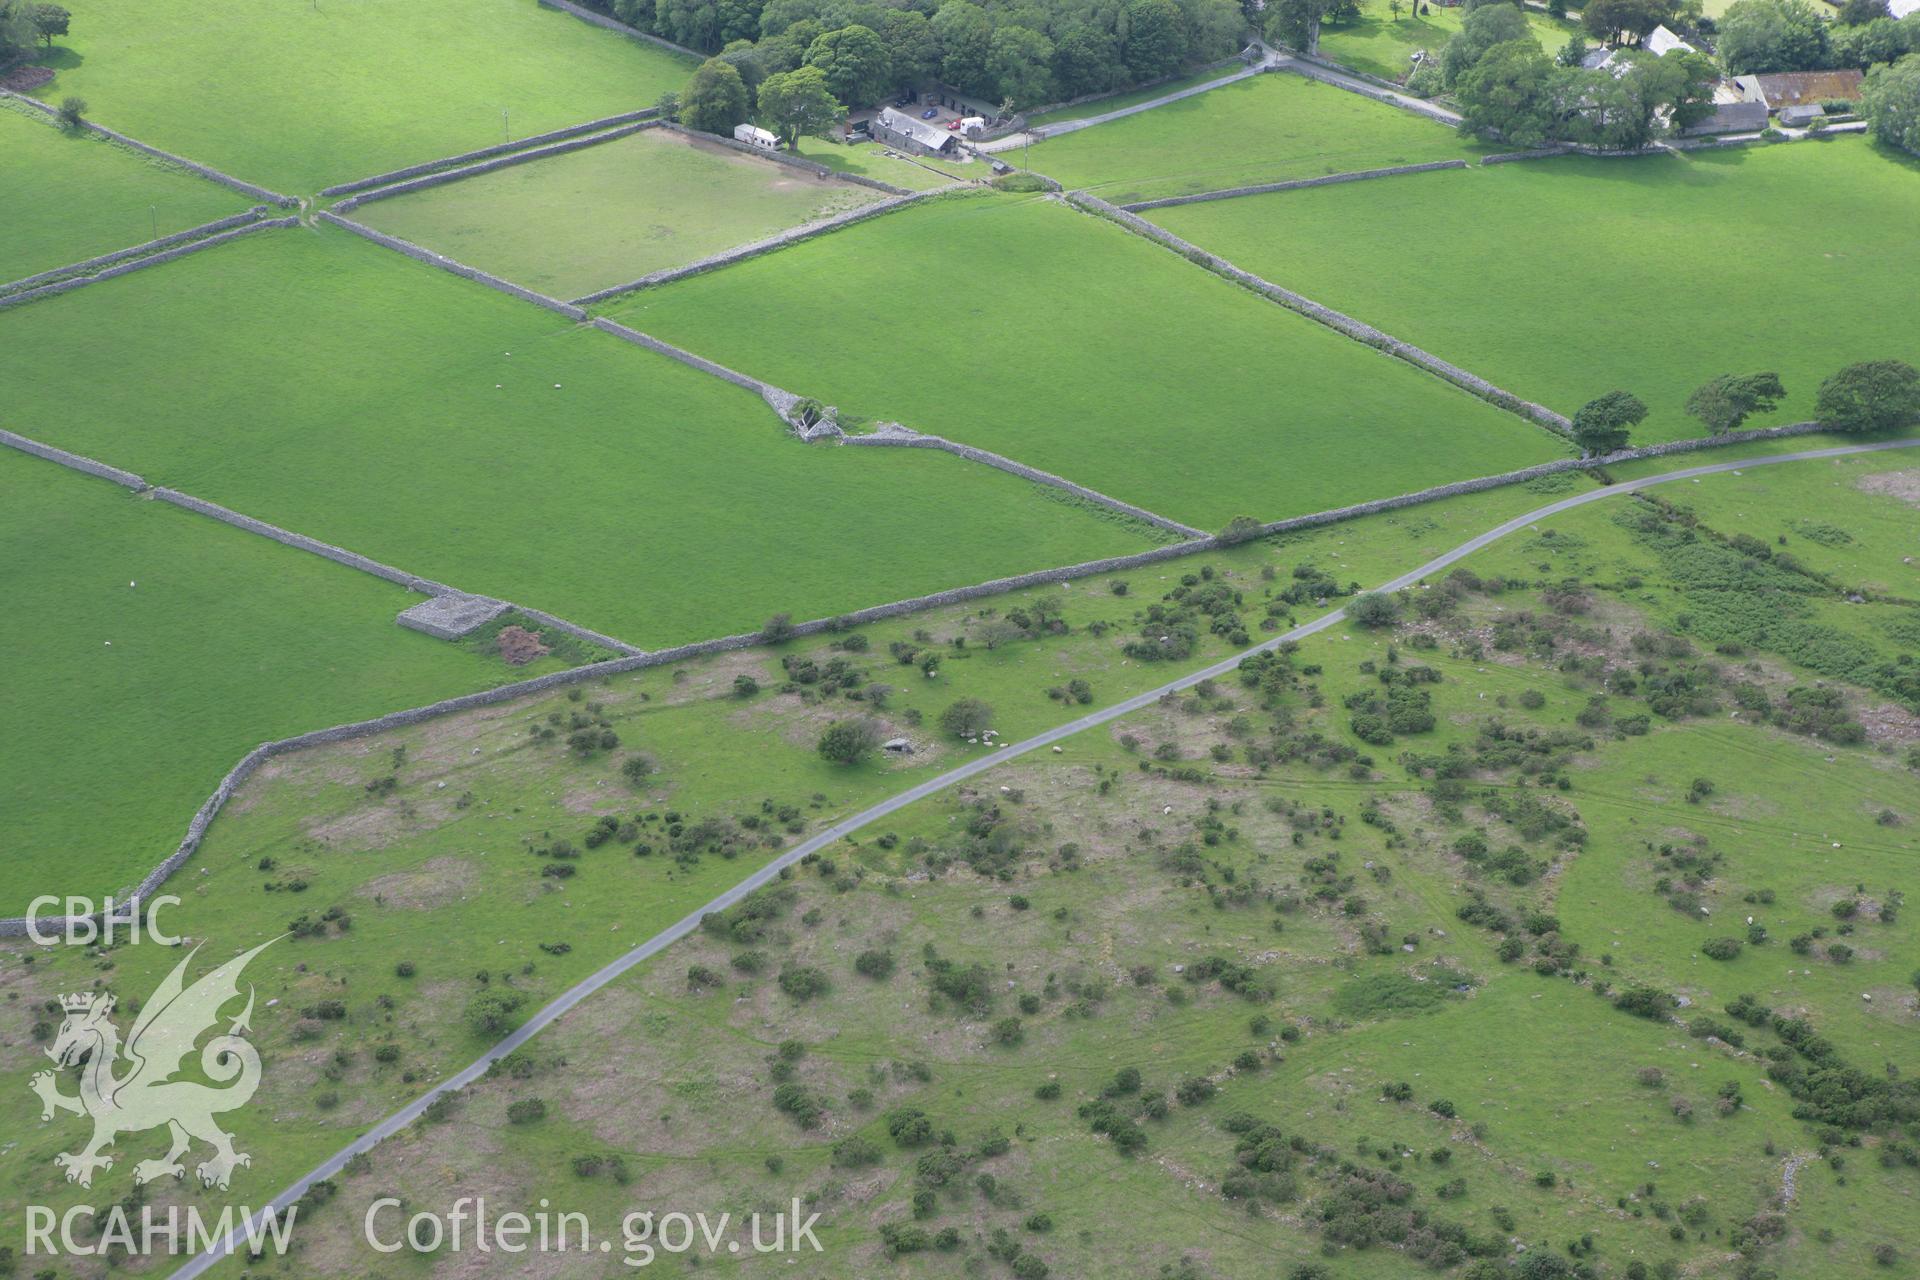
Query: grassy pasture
x,y
299,96
138,698
437,425
1381,45
655,199
1717,244
1066,342
70,196
1269,128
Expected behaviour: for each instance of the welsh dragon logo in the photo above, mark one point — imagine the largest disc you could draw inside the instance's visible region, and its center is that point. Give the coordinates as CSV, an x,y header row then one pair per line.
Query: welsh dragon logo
x,y
145,1095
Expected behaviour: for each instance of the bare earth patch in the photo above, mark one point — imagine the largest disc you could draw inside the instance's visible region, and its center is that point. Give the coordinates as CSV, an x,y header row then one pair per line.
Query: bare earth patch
x,y
1904,485
434,884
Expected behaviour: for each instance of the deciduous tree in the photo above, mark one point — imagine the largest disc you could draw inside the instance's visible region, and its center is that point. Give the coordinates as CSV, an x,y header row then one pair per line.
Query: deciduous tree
x,y
1156,39
798,102
854,61
1602,423
1730,399
1479,32
1876,395
715,99
1758,36
1891,100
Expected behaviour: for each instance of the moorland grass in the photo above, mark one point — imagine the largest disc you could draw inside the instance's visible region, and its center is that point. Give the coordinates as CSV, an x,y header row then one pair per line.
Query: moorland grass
x,y
656,199
299,96
1270,128
154,648
71,196
310,378
1542,276
1061,340
674,1075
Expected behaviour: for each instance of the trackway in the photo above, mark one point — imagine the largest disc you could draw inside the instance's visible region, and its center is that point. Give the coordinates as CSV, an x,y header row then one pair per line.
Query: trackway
x,y
673,933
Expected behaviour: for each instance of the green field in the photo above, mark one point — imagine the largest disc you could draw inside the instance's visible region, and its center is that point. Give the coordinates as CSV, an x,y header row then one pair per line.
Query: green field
x,y
1382,45
1715,243
656,199
70,196
299,96
466,436
1270,128
1066,342
164,646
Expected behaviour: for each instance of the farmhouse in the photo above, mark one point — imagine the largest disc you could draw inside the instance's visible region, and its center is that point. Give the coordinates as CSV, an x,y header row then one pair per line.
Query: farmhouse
x,y
916,137
1800,88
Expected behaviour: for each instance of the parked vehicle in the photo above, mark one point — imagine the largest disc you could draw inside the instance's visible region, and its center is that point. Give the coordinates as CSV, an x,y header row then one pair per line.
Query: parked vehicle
x,y
929,113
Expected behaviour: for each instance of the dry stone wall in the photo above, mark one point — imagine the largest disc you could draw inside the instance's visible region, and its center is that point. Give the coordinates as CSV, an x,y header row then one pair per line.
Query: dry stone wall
x,y
781,401
488,166
1525,474
1355,329
205,171
125,479
900,437
134,251
1331,179
498,148
138,264
792,236
452,265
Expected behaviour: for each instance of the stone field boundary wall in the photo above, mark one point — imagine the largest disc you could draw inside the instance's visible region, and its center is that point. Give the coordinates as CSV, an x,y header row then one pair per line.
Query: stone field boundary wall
x,y
787,158
1328,180
1335,320
205,171
483,153
782,402
1321,69
1020,120
151,260
286,537
1524,474
615,25
489,166
133,251
901,437
451,265
779,240
74,461
196,829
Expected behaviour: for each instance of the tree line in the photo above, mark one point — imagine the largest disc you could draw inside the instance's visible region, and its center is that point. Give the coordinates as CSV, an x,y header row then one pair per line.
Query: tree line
x,y
1872,396
1023,54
